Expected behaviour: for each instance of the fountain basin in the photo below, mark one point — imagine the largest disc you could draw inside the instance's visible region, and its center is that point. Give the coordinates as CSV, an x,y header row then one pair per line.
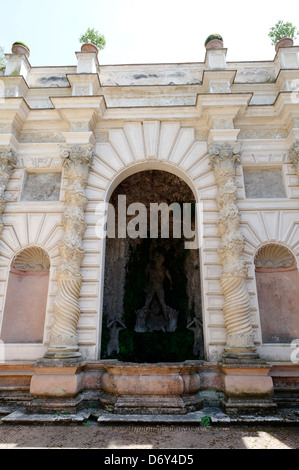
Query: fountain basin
x,y
151,388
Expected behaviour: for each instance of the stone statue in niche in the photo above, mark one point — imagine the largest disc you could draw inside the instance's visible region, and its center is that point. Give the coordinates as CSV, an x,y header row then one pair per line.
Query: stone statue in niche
x,y
196,326
155,315
114,327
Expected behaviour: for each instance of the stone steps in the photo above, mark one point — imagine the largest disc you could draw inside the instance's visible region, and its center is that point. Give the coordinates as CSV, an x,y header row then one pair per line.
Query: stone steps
x,y
206,416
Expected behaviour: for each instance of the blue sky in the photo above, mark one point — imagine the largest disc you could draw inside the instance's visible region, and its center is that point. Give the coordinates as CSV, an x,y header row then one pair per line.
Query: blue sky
x,y
141,31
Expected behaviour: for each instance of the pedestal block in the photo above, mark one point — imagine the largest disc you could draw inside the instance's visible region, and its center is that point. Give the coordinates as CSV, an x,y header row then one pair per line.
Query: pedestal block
x,y
56,386
167,388
247,388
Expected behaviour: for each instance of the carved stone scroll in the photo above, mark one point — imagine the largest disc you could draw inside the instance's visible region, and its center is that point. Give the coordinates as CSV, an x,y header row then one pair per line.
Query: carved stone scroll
x,y
239,344
8,162
64,342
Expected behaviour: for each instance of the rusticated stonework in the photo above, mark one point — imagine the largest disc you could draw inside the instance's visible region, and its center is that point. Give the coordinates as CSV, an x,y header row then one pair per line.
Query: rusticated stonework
x,y
64,343
8,162
224,158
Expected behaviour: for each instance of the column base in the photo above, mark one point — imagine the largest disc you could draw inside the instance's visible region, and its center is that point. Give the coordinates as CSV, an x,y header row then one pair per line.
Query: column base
x,y
63,351
63,355
241,356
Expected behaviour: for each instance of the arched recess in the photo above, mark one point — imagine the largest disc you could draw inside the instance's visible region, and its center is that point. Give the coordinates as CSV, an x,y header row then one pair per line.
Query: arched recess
x,y
147,166
277,280
157,182
151,145
26,297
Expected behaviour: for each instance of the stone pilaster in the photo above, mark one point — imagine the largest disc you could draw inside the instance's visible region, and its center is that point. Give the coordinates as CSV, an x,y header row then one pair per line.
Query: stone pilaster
x,y
239,345
294,156
8,162
63,342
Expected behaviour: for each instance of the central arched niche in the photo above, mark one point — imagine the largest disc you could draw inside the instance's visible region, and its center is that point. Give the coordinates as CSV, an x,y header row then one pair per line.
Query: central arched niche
x,y
152,288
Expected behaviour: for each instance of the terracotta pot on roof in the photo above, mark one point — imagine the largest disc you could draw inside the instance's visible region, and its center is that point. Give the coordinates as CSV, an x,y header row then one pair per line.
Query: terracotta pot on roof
x,y
285,42
214,44
20,49
87,47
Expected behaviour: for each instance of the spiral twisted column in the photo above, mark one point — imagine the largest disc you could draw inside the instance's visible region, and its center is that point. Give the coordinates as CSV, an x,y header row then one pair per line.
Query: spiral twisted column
x,y
77,161
239,344
8,161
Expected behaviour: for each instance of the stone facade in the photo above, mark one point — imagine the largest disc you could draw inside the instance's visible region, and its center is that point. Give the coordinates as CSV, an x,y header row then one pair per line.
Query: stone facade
x,y
209,123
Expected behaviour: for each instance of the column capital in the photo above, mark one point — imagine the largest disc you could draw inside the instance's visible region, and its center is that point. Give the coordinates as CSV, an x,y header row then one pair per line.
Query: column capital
x,y
77,157
224,155
8,160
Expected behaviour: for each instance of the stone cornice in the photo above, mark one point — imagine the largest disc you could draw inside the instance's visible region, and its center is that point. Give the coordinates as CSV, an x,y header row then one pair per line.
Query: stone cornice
x,y
86,110
13,114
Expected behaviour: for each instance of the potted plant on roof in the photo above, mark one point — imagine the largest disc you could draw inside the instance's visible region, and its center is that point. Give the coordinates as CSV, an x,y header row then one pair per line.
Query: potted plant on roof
x,y
214,41
19,47
282,34
92,41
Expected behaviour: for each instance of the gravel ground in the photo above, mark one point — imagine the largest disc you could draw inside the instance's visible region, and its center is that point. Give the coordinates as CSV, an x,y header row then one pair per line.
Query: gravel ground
x,y
95,436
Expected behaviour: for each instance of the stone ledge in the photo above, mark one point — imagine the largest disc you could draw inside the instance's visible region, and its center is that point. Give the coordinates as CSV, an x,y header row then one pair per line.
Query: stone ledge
x,y
216,417
19,417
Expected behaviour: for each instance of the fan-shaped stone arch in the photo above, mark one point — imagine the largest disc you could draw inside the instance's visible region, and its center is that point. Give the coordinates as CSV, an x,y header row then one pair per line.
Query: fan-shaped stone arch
x,y
151,143
155,145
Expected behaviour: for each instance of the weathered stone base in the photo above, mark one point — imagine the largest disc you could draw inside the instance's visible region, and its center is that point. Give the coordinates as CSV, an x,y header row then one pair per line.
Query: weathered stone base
x,y
57,380
153,405
168,388
122,389
248,388
241,358
234,406
59,406
286,384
